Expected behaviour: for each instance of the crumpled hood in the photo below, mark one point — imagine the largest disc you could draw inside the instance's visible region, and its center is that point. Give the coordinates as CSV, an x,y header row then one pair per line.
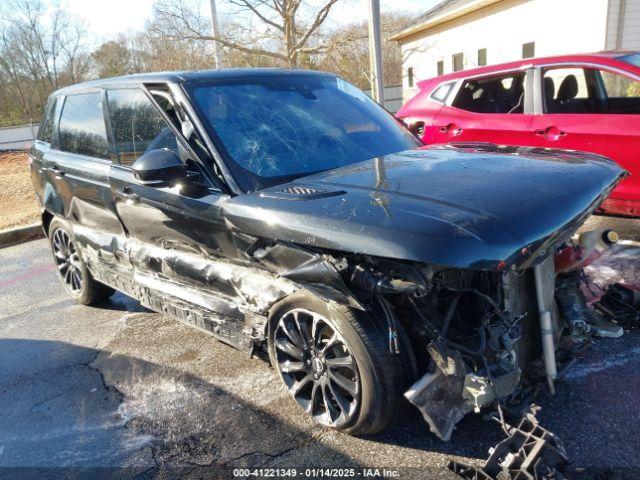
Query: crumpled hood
x,y
472,207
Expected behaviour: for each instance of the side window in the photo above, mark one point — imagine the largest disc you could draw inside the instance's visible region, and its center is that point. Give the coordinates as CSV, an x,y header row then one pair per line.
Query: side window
x,y
622,93
137,126
82,128
48,120
570,90
502,94
442,92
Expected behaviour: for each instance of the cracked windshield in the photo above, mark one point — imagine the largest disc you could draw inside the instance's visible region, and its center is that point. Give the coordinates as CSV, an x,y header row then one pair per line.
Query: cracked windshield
x,y
276,129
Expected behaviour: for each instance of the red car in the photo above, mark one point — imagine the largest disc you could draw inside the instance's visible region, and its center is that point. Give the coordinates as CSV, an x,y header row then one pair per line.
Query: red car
x,y
585,102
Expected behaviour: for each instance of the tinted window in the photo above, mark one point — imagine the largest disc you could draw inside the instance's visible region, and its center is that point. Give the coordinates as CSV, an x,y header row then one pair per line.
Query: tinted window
x,y
137,126
48,121
440,67
82,128
503,94
274,129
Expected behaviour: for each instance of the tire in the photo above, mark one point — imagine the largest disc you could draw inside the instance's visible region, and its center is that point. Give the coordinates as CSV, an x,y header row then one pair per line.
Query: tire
x,y
72,270
372,405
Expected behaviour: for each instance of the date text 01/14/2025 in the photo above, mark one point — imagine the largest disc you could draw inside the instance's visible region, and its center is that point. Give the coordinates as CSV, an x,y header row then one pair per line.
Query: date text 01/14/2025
x,y
315,473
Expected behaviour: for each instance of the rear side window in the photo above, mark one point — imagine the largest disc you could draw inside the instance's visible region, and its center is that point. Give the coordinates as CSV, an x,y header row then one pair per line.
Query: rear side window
x,y
137,126
502,94
48,120
82,127
442,92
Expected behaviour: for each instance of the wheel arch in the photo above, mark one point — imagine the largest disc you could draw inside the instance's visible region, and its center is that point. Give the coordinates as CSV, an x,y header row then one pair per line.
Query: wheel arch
x,y
46,218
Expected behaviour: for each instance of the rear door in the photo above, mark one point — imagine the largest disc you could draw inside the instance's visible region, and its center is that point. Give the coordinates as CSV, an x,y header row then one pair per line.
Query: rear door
x,y
42,145
594,110
77,169
494,108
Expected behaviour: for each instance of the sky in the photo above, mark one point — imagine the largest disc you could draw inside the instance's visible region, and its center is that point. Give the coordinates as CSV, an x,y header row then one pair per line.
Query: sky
x,y
105,19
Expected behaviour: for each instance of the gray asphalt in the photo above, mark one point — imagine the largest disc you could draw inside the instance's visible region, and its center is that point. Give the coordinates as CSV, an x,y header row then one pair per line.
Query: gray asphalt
x,y
84,390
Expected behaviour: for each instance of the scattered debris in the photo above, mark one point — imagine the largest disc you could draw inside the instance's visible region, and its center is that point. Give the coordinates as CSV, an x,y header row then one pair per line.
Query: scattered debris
x,y
529,452
621,303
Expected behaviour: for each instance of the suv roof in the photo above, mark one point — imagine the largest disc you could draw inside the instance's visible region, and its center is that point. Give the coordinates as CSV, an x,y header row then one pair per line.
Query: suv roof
x,y
186,76
610,57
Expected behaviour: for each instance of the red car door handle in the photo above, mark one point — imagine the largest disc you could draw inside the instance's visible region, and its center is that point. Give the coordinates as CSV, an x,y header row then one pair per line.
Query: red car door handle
x,y
451,129
551,133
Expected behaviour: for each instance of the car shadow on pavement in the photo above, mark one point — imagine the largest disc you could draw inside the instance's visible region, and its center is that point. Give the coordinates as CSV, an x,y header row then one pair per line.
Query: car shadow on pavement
x,y
77,412
82,413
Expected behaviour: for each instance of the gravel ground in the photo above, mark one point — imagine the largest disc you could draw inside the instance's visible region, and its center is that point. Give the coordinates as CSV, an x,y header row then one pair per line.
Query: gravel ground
x,y
119,392
18,204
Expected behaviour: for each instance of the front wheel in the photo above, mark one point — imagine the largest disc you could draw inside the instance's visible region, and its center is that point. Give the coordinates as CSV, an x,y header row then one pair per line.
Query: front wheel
x,y
72,270
335,362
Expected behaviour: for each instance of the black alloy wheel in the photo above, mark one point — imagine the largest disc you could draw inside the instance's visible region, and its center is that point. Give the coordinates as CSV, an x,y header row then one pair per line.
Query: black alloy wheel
x,y
317,367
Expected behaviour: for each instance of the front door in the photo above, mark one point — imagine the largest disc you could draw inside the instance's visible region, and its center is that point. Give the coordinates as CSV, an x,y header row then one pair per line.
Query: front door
x,y
186,217
181,254
594,110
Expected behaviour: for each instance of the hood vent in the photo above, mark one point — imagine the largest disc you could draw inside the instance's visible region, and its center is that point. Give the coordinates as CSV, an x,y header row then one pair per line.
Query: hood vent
x,y
301,192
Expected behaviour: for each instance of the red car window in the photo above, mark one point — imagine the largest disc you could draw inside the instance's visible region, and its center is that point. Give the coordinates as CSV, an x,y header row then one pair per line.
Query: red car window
x,y
500,94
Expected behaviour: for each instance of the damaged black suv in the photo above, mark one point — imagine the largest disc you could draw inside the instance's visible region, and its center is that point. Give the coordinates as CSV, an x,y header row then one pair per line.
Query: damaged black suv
x,y
285,209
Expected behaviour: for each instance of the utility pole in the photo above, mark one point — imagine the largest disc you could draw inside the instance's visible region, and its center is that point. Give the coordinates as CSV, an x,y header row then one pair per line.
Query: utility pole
x,y
216,31
375,52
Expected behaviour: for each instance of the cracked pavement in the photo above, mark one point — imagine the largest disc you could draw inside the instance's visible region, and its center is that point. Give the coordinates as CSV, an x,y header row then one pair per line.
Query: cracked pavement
x,y
84,390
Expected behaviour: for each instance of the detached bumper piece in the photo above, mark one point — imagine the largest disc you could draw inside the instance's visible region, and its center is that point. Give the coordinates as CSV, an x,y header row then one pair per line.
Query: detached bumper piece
x,y
528,453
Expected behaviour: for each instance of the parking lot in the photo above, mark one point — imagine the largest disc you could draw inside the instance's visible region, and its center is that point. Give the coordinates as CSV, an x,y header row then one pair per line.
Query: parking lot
x,y
86,389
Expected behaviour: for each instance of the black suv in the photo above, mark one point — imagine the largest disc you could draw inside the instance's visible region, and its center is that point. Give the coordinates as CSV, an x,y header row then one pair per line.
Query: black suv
x,y
286,209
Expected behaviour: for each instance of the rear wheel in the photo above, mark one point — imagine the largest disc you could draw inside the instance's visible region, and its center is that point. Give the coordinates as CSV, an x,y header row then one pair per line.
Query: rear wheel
x,y
336,363
72,270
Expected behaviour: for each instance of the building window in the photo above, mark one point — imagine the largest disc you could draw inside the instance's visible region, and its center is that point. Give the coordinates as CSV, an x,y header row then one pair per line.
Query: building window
x,y
410,76
458,61
482,57
441,67
529,50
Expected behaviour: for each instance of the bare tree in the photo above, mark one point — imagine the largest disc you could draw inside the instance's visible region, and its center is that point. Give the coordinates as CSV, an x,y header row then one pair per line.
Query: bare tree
x,y
348,55
283,30
40,50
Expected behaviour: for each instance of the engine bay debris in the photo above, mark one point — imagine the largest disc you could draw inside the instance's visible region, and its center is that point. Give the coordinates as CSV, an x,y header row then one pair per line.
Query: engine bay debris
x,y
530,452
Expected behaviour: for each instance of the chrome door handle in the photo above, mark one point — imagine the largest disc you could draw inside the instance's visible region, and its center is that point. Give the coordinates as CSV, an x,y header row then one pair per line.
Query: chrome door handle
x,y
128,194
56,171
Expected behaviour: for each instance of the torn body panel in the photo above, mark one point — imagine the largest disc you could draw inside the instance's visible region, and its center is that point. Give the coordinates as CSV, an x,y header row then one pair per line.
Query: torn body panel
x,y
229,299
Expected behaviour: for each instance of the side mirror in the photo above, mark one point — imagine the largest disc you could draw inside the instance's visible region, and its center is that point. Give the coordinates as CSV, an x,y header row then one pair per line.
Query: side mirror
x,y
159,168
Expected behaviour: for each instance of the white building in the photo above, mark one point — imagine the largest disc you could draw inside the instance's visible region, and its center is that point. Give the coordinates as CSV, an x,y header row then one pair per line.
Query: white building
x,y
461,34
